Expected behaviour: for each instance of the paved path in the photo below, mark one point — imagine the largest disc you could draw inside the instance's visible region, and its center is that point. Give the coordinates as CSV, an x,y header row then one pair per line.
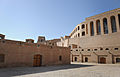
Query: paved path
x,y
73,70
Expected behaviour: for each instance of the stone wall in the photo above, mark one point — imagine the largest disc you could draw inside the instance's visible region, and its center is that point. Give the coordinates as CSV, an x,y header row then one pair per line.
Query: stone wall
x,y
17,53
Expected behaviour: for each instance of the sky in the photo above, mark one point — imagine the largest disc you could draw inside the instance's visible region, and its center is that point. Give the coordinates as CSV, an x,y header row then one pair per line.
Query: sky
x,y
28,19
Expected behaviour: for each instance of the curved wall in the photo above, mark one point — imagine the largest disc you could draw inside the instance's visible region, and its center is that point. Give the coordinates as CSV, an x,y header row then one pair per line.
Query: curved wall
x,y
112,39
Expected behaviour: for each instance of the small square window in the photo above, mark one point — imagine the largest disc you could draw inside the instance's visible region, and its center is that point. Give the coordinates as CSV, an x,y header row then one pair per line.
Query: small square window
x,y
107,49
95,49
88,49
101,48
38,45
82,49
115,48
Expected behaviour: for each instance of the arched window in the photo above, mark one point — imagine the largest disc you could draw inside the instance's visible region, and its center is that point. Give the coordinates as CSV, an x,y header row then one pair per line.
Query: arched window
x,y
83,33
91,28
83,26
75,58
78,34
86,29
86,59
78,28
98,27
119,19
105,26
113,24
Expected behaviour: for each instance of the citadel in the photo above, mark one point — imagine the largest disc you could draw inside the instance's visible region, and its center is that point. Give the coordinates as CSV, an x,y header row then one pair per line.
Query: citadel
x,y
96,40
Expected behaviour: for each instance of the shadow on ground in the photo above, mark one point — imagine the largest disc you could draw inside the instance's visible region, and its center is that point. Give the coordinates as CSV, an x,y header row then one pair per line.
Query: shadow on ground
x,y
10,72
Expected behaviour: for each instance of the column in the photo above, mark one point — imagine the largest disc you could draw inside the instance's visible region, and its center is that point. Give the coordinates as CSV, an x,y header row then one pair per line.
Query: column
x,y
117,23
109,24
95,31
89,32
102,28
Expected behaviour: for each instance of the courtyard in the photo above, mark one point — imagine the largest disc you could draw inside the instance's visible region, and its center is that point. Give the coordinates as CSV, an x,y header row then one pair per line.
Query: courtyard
x,y
73,70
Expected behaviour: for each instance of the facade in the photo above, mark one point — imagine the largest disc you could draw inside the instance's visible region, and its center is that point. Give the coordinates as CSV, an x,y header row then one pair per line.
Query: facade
x,y
18,53
97,39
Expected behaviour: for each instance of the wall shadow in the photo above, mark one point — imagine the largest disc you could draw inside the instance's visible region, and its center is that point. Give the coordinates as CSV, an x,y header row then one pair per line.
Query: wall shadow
x,y
10,72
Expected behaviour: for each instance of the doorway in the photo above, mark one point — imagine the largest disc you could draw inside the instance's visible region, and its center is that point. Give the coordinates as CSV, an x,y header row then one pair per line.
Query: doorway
x,y
103,60
117,60
37,60
75,58
86,59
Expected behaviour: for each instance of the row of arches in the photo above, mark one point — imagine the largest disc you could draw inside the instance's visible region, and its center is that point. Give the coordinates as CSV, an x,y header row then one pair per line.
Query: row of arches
x,y
82,27
83,34
105,25
76,59
98,28
102,60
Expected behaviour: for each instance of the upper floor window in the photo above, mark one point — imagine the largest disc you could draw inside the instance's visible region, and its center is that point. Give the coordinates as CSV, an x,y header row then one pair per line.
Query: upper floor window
x,y
83,33
86,29
119,19
98,27
92,28
113,24
78,28
78,34
105,26
83,26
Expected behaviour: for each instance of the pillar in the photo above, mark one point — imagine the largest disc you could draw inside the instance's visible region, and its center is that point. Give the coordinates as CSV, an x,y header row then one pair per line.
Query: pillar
x,y
95,30
89,32
117,23
109,25
102,28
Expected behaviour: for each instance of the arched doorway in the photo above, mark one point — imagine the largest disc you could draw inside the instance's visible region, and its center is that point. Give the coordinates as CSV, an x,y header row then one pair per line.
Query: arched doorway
x,y
102,60
37,60
117,60
75,58
86,59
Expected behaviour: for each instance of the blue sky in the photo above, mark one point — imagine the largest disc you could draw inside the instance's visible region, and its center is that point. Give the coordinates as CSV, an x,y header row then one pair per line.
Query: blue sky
x,y
22,19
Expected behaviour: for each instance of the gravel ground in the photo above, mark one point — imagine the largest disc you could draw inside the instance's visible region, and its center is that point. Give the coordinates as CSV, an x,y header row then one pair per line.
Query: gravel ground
x,y
73,70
